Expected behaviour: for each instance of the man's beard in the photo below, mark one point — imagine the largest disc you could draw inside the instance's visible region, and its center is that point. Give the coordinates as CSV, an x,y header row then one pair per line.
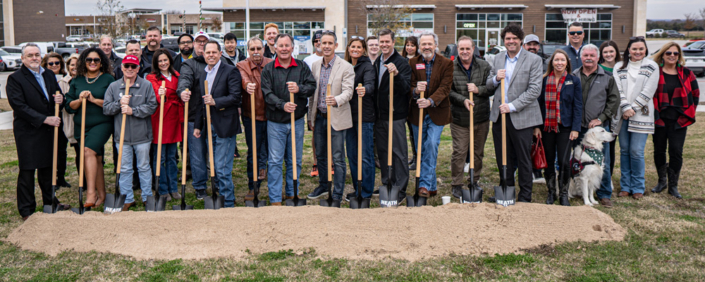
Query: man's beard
x,y
427,56
186,51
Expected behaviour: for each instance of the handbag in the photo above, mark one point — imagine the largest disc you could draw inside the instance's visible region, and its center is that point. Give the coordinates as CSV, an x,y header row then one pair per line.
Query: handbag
x,y
538,156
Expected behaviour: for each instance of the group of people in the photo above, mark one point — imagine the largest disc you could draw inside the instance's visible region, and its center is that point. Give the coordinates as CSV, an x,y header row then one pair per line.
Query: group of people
x,y
556,99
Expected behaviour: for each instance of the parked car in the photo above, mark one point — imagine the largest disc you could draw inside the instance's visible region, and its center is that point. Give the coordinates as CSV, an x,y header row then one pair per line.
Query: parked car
x,y
694,56
72,38
216,35
65,50
2,64
548,49
692,41
120,51
11,57
489,55
44,47
675,34
170,43
654,32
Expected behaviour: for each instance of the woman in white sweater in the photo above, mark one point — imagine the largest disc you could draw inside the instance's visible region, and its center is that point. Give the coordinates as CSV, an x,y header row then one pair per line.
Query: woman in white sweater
x,y
637,78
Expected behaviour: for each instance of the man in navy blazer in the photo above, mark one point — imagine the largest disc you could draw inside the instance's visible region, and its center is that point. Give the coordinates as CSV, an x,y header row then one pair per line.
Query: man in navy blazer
x,y
223,98
31,92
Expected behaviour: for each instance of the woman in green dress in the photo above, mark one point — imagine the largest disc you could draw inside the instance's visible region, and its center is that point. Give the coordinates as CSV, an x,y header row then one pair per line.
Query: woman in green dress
x,y
93,76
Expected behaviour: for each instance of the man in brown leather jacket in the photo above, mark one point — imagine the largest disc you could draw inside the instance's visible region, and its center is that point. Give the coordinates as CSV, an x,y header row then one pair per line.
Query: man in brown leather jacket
x,y
251,71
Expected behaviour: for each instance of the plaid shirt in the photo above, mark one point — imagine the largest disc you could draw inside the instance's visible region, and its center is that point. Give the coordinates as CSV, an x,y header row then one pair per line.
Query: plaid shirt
x,y
322,83
429,68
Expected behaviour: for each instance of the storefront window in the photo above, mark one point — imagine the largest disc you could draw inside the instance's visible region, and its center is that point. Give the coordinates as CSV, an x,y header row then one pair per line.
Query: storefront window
x,y
595,33
415,24
484,29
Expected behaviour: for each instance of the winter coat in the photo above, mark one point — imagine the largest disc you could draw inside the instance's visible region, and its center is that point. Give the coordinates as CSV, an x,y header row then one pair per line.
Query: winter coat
x,y
172,125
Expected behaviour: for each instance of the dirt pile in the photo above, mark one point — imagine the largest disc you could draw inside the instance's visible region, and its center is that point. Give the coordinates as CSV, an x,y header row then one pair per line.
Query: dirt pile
x,y
403,233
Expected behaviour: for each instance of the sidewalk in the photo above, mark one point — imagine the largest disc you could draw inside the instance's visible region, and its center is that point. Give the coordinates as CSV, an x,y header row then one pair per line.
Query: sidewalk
x,y
5,120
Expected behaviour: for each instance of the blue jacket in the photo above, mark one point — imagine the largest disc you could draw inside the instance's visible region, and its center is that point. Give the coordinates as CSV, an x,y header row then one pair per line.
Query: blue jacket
x,y
571,108
574,57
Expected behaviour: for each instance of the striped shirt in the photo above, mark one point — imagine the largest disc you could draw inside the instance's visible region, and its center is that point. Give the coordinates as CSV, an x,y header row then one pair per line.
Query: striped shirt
x,y
323,82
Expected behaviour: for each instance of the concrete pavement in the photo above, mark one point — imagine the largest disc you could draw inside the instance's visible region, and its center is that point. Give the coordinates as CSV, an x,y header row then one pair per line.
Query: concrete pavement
x,y
5,120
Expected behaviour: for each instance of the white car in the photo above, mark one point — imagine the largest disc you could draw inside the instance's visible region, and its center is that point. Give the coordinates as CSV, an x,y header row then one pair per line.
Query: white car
x,y
120,52
73,38
489,55
12,60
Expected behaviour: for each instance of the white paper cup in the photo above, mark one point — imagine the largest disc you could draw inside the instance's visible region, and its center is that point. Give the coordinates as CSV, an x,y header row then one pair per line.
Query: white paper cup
x,y
446,199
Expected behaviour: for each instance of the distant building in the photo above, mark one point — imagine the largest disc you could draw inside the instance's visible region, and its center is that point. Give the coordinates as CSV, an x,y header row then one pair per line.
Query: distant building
x,y
31,20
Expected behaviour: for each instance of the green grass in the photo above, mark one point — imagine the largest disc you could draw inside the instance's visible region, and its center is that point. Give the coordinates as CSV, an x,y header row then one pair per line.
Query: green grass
x,y
664,243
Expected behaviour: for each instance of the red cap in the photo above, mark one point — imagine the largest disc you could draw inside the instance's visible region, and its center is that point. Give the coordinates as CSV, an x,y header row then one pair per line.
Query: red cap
x,y
130,59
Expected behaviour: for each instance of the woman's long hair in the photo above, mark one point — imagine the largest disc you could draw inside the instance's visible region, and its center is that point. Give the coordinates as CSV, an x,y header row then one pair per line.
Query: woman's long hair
x,y
414,41
617,56
155,62
625,57
62,67
82,68
658,57
347,49
549,70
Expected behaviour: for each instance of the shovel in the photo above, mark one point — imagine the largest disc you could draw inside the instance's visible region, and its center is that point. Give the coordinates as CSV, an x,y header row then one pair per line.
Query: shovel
x,y
329,202
255,203
184,155
473,194
389,197
504,195
114,202
358,202
295,202
215,202
160,203
416,200
53,207
81,168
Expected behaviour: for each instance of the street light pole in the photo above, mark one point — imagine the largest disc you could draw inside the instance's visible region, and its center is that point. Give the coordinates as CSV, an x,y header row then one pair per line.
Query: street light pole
x,y
247,20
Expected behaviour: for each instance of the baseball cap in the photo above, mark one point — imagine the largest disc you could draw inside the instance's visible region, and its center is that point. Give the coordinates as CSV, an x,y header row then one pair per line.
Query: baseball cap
x,y
531,38
317,35
201,34
130,59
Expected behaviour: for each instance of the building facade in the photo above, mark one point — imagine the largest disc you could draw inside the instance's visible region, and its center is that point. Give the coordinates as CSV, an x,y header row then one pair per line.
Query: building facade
x,y
31,20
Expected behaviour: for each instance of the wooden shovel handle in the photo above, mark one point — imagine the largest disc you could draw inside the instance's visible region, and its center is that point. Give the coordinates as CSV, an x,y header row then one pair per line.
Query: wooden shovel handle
x,y
391,119
184,152
330,156
293,139
161,127
210,135
56,145
418,142
122,130
254,137
359,136
504,129
472,133
83,143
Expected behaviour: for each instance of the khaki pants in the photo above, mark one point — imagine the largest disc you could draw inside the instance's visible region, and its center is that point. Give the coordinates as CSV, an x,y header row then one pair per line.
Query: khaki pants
x,y
461,145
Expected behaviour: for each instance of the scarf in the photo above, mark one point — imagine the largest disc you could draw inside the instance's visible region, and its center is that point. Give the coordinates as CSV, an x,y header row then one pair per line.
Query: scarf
x,y
553,102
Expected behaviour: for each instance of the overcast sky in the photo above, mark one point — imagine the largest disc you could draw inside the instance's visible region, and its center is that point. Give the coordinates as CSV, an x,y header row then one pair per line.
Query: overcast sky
x,y
656,9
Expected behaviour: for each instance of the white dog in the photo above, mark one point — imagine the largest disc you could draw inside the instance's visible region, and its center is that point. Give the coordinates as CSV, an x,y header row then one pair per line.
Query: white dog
x,y
588,181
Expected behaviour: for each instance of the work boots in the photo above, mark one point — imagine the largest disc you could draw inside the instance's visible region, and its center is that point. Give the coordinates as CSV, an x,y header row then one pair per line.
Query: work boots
x,y
662,179
563,191
673,183
551,185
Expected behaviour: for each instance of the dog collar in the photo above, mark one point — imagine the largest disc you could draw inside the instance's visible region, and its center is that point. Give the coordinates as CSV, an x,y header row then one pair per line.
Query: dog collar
x,y
595,154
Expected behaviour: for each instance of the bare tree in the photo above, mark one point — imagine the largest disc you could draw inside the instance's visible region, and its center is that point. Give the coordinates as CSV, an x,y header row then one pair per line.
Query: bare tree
x,y
383,14
689,22
108,10
216,24
702,18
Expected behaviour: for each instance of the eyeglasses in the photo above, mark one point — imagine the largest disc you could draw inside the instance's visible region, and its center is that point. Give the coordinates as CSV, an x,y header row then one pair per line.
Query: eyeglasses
x,y
130,66
669,53
201,42
51,64
357,37
636,38
185,42
255,48
575,32
93,60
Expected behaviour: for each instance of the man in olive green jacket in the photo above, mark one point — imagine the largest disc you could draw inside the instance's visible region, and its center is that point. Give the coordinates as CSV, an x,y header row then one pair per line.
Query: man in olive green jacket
x,y
469,75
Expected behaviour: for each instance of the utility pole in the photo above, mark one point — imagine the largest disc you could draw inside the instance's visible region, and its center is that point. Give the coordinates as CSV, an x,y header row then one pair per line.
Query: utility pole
x,y
183,27
200,15
247,20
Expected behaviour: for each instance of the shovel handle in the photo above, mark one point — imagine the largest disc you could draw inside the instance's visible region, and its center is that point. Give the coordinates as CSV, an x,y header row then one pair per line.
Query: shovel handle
x,y
255,175
391,120
83,145
504,129
472,133
359,135
330,155
122,130
210,135
184,152
418,142
293,140
161,127
56,145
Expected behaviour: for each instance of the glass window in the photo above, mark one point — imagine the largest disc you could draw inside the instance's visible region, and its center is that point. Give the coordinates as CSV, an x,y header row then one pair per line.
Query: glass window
x,y
421,17
318,25
302,25
466,17
412,24
256,25
596,33
482,24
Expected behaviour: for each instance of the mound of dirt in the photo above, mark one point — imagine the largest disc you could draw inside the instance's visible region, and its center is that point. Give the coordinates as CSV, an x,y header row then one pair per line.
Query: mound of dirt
x,y
403,233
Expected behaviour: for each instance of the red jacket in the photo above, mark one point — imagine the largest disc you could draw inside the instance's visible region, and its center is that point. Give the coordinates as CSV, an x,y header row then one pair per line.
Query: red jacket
x,y
173,110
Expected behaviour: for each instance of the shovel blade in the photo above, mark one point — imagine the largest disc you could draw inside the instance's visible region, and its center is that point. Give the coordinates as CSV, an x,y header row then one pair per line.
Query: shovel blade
x,y
415,201
80,210
219,202
48,209
161,203
471,196
255,204
359,203
151,204
330,203
208,203
504,196
389,197
178,207
109,205
295,202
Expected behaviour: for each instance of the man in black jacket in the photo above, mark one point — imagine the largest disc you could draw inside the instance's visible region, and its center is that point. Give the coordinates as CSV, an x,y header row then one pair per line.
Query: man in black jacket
x,y
154,42
185,50
390,62
31,94
223,98
106,45
280,78
230,52
132,47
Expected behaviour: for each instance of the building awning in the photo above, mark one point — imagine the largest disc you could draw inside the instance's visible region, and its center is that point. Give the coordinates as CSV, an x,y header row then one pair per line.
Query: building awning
x,y
139,11
500,6
235,9
402,6
581,6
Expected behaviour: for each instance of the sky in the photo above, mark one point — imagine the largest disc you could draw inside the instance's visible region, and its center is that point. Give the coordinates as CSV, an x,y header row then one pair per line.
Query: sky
x,y
656,9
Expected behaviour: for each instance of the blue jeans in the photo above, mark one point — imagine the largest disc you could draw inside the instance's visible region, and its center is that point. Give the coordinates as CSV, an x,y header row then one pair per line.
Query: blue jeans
x,y
337,143
198,153
223,155
145,175
430,139
632,163
368,156
169,172
605,190
262,150
279,138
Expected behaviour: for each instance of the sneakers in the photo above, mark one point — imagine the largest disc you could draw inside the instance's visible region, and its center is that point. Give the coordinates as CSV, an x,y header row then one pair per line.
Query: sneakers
x,y
350,195
314,171
200,194
320,191
457,191
176,195
250,196
605,202
375,193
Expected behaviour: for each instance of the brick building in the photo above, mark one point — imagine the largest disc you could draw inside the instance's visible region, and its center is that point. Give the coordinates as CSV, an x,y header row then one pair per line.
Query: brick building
x,y
31,20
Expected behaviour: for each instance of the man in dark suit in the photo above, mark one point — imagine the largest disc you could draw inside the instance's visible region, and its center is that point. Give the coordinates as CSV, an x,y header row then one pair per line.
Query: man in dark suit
x,y
223,96
30,91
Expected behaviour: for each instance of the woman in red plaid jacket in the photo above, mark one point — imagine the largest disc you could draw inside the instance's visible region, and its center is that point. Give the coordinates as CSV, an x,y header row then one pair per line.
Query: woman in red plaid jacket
x,y
675,103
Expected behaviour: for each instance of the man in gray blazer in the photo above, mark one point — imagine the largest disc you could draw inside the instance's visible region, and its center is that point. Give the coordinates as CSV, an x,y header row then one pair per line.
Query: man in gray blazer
x,y
522,72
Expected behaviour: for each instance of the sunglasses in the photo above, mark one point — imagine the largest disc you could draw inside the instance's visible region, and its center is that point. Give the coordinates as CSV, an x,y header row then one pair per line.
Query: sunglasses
x,y
357,37
669,53
130,66
255,48
636,38
92,60
575,32
51,64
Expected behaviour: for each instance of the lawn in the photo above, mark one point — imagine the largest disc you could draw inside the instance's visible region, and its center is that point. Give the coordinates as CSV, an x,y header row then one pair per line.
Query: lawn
x,y
664,241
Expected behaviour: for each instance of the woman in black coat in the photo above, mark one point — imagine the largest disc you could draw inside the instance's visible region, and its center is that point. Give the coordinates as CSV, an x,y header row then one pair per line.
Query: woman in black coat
x,y
561,104
355,54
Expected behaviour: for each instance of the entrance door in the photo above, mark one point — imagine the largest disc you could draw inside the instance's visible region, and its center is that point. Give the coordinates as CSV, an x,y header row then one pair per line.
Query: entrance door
x,y
493,37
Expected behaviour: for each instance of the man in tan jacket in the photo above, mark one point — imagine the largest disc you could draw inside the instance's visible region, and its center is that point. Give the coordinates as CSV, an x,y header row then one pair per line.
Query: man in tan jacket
x,y
340,75
251,72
